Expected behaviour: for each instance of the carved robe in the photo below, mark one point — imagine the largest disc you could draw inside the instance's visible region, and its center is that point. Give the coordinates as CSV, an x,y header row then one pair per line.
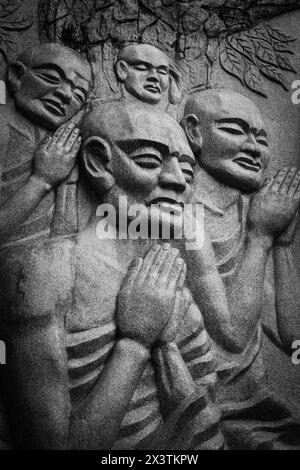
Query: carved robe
x,y
254,416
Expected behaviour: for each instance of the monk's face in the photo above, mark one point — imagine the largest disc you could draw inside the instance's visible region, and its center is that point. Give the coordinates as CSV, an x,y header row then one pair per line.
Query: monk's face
x,y
154,165
54,88
147,71
235,143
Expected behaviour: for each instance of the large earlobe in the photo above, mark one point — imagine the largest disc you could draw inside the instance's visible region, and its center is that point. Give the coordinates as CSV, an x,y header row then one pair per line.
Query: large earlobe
x,y
190,124
175,86
96,156
121,70
15,74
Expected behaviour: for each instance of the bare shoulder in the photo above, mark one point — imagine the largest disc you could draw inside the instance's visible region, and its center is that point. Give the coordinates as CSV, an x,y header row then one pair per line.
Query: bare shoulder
x,y
36,279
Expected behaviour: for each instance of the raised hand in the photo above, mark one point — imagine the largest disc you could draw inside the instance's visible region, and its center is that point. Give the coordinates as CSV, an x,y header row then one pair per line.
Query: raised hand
x,y
273,208
55,157
147,297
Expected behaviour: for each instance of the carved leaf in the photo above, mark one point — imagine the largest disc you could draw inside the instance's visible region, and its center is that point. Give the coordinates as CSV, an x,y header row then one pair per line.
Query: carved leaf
x,y
258,33
232,61
284,62
252,78
264,51
11,18
242,44
282,47
277,34
273,73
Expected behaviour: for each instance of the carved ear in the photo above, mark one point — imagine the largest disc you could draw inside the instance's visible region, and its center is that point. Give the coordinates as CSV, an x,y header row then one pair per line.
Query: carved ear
x,y
15,74
96,155
176,85
121,70
190,124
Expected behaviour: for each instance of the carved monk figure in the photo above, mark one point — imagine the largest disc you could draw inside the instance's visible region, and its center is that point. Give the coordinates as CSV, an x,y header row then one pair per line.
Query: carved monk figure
x,y
146,74
100,355
49,84
230,141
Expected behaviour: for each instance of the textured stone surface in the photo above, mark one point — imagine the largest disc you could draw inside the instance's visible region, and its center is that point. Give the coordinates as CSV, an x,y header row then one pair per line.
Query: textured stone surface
x,y
58,297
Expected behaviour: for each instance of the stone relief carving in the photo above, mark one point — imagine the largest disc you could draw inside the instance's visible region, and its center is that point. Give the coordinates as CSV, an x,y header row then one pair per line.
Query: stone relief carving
x,y
262,51
101,390
147,74
140,344
230,140
49,85
196,34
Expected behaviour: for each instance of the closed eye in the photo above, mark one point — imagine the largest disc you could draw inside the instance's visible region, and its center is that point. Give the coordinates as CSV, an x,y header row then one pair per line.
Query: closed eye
x,y
232,130
147,161
79,96
163,71
141,67
262,142
48,78
187,171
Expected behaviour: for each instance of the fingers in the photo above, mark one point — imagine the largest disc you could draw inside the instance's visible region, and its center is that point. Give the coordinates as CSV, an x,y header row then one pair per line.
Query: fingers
x,y
57,134
169,267
71,139
158,264
148,260
64,132
294,186
290,174
176,278
279,179
181,277
132,273
76,145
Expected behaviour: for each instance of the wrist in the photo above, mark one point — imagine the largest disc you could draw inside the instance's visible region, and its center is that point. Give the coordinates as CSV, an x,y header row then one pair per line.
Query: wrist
x,y
136,350
41,183
166,344
261,240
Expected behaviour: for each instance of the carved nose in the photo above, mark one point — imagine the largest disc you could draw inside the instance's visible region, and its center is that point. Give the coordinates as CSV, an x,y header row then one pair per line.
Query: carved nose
x,y
64,92
251,147
172,177
152,75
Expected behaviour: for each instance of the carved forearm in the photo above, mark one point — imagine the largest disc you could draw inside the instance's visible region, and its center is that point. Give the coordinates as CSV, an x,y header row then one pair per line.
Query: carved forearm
x,y
35,384
20,206
96,423
231,314
245,294
175,381
287,288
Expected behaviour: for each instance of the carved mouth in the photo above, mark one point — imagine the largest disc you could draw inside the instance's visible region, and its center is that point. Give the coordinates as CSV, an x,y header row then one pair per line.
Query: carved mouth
x,y
248,163
55,107
166,204
152,88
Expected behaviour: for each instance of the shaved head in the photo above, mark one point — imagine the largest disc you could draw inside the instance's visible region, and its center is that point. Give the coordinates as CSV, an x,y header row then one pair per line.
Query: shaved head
x,y
212,103
228,134
147,74
50,83
136,50
39,54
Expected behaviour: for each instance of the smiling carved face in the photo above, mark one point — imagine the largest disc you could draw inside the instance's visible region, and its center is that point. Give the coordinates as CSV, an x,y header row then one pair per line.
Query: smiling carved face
x,y
234,141
151,161
54,86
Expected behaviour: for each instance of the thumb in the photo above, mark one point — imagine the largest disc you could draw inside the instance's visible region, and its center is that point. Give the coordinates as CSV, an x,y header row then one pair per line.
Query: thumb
x,y
44,142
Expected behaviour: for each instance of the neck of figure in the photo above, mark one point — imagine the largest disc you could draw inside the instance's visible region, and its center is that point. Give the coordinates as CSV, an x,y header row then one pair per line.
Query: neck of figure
x,y
207,187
